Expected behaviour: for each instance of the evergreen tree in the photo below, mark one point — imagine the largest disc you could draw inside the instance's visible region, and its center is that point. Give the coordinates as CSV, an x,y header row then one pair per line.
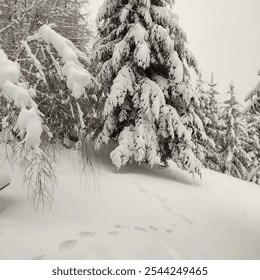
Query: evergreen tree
x,y
235,160
146,101
253,99
253,147
209,114
253,111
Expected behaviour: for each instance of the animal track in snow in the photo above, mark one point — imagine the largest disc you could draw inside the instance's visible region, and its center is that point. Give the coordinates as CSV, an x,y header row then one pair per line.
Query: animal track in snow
x,y
114,232
143,190
160,198
153,228
167,208
121,226
186,220
140,228
68,244
38,257
87,234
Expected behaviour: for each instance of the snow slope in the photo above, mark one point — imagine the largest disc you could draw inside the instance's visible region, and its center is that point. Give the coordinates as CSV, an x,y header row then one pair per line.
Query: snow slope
x,y
134,213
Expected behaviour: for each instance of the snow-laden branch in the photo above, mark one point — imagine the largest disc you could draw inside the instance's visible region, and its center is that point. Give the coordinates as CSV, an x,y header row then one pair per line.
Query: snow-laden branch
x,y
28,122
77,77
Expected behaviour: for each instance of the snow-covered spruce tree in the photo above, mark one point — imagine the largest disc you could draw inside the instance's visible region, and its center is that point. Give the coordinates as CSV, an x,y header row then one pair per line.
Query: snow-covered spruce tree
x,y
235,160
146,101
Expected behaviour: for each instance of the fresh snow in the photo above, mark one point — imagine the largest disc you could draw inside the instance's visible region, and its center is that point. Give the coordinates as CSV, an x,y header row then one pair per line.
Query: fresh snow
x,y
134,213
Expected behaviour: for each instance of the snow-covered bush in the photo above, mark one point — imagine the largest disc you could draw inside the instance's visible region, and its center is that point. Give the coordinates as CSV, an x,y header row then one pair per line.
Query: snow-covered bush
x,y
20,18
63,86
54,105
146,101
21,120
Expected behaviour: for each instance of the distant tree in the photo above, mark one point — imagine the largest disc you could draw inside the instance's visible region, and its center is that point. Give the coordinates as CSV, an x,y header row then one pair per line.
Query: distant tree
x,y
252,147
209,114
253,112
235,159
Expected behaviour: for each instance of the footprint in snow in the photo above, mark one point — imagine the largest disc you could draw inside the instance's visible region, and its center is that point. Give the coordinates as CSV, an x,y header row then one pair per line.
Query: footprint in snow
x,y
153,228
87,234
140,229
38,257
68,244
167,208
160,198
170,231
121,226
114,233
186,220
143,190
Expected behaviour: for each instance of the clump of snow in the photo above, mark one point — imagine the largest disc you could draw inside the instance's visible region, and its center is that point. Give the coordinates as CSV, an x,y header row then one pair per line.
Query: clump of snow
x,y
29,125
29,121
9,70
77,77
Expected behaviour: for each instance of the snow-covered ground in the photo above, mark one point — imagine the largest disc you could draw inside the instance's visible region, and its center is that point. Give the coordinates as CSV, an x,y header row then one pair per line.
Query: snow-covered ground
x,y
134,213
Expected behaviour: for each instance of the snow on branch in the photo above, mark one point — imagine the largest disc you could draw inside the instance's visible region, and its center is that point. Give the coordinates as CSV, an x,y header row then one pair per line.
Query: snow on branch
x,y
28,122
122,154
164,16
122,84
35,61
253,99
77,77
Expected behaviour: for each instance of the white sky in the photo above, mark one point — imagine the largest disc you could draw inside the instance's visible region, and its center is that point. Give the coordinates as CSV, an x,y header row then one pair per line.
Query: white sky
x,y
224,35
